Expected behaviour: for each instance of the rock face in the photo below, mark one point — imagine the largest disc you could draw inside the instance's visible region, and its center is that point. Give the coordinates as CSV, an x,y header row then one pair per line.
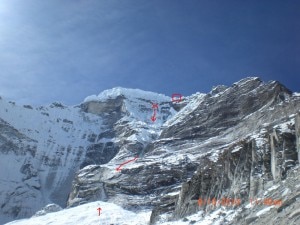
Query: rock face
x,y
287,212
234,142
242,171
256,144
87,187
239,137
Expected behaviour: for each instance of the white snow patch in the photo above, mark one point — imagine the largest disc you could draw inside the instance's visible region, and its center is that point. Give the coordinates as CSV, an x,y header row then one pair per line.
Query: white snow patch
x,y
236,149
286,191
260,141
285,127
273,187
173,193
214,157
250,205
263,211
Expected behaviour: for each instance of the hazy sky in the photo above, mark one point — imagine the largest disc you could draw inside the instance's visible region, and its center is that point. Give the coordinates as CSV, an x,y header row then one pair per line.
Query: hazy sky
x,y
65,50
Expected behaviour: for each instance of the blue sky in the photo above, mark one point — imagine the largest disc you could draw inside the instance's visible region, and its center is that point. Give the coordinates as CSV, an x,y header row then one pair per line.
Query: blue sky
x,y
65,50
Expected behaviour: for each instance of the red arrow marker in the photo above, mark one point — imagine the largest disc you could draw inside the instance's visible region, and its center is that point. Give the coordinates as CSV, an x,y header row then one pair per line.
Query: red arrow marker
x,y
99,209
154,107
153,118
119,167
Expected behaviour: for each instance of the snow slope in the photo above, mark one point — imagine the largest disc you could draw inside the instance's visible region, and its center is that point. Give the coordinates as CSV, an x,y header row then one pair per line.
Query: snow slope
x,y
88,214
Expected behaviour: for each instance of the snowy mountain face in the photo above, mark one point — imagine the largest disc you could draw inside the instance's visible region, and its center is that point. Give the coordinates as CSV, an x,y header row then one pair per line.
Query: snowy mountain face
x,y
42,148
235,142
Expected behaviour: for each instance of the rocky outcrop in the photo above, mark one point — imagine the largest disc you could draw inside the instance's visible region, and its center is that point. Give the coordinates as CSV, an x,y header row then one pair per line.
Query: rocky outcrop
x,y
100,153
110,109
87,187
128,189
48,209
